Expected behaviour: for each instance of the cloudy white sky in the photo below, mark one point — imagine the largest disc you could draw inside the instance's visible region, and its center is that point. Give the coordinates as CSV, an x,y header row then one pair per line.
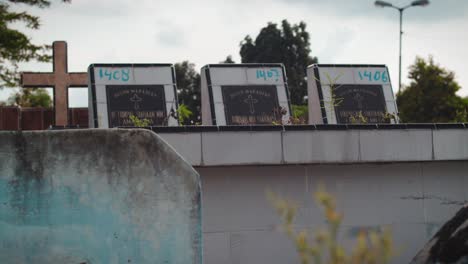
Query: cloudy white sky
x,y
206,31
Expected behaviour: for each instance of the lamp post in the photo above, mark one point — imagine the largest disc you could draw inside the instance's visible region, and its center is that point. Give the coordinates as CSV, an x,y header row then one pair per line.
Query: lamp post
x,y
379,3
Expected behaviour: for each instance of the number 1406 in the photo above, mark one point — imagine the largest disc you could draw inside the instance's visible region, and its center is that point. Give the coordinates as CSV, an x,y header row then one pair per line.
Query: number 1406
x,y
376,76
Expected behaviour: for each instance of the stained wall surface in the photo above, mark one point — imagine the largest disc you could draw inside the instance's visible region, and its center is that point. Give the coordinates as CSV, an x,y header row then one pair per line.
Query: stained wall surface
x,y
97,196
412,199
411,180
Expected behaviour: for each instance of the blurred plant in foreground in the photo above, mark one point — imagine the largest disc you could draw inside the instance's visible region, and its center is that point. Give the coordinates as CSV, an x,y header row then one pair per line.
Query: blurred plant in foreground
x,y
323,247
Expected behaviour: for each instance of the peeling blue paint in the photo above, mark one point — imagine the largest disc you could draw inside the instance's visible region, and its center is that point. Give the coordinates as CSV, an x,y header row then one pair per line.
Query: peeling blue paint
x,y
104,209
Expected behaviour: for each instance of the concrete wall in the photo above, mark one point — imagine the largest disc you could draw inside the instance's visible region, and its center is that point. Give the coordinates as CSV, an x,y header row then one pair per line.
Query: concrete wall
x,y
411,180
279,147
107,196
96,196
412,199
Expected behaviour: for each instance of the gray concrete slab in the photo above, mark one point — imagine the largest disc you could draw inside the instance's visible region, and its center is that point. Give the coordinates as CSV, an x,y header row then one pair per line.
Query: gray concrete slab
x,y
188,145
241,148
216,247
444,190
395,145
451,144
320,146
235,198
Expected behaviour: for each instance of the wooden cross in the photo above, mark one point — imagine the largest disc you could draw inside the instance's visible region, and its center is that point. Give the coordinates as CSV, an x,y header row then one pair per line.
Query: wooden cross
x,y
59,80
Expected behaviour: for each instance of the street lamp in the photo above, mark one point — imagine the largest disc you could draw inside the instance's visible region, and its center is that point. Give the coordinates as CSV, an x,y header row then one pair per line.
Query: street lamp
x,y
379,3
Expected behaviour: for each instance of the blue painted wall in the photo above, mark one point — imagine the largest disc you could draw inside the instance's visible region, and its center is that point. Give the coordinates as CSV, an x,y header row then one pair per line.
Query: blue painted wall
x,y
96,196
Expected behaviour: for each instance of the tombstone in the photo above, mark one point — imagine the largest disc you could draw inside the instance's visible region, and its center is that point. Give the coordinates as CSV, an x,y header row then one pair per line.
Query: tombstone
x,y
60,80
350,94
118,91
244,94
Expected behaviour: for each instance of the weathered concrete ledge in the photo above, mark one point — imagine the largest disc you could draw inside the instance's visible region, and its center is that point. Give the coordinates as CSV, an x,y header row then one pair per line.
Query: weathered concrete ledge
x,y
303,146
97,196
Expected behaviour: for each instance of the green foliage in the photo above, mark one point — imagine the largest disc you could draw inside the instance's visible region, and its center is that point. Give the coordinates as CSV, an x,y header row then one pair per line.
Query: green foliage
x,y
183,113
15,46
359,118
300,111
431,96
228,60
31,97
288,45
188,84
461,116
300,114
139,122
324,248
334,99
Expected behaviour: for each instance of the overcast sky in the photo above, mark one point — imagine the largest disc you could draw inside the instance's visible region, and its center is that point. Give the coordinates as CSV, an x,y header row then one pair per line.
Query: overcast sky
x,y
206,31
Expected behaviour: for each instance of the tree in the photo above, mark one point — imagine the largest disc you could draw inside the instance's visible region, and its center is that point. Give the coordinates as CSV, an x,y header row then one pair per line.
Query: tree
x,y
184,114
431,96
228,60
288,45
31,97
462,115
15,46
188,82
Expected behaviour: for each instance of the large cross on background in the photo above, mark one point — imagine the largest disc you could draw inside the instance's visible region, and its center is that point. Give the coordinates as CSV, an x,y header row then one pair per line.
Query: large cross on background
x,y
59,80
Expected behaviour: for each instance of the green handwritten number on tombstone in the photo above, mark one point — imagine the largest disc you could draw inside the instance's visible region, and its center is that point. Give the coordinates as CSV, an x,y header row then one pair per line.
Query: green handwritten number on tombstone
x,y
261,74
105,74
276,74
384,76
368,75
269,74
374,76
377,76
117,75
108,74
125,75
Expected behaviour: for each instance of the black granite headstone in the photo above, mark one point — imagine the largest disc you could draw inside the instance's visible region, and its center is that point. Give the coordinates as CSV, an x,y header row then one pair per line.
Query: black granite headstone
x,y
143,101
355,101
245,105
